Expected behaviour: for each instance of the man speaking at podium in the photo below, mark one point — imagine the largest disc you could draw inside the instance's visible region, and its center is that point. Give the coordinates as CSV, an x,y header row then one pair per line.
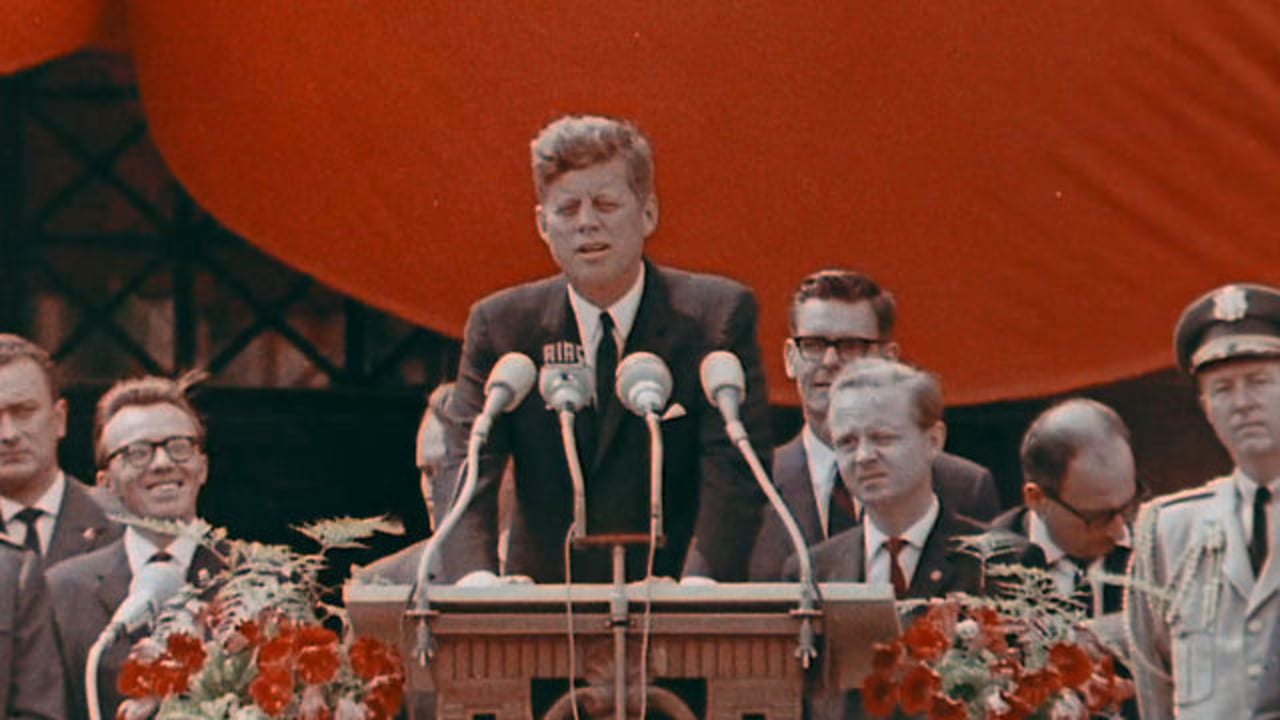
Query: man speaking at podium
x,y
596,207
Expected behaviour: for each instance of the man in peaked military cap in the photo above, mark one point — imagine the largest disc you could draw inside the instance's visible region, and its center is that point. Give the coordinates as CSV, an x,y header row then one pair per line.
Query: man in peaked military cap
x,y
1200,647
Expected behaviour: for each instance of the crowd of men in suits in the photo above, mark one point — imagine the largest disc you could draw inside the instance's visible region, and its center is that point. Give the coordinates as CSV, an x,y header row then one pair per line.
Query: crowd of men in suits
x,y
866,479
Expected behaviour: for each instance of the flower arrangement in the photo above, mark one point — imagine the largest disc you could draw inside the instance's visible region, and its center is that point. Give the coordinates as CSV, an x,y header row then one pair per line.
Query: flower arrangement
x,y
257,641
963,658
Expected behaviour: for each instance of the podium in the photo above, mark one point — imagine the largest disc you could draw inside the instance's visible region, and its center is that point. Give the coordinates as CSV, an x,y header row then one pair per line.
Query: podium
x,y
716,651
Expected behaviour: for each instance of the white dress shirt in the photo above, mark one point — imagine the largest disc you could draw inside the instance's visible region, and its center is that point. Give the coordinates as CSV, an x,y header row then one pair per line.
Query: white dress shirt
x,y
822,474
139,550
876,554
623,312
50,502
1064,571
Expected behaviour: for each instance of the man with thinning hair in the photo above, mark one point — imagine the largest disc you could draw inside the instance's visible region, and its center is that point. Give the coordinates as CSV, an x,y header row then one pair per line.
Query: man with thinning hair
x,y
596,208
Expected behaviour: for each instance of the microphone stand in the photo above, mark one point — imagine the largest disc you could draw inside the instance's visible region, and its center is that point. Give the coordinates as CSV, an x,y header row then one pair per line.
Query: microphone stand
x,y
423,649
807,612
566,416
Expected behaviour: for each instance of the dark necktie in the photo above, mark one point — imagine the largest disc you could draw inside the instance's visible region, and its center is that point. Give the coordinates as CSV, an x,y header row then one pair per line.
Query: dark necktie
x,y
159,556
29,516
1083,584
896,576
842,513
1258,544
606,365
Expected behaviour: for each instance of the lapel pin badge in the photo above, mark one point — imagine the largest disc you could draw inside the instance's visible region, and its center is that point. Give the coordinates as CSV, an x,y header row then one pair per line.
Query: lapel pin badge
x,y
935,576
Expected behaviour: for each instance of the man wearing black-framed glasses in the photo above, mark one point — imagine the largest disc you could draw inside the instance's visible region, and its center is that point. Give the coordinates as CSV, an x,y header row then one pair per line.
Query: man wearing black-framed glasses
x,y
1079,490
149,445
838,316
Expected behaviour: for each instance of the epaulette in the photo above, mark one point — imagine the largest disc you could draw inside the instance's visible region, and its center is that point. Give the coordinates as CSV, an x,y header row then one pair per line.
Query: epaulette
x,y
1196,493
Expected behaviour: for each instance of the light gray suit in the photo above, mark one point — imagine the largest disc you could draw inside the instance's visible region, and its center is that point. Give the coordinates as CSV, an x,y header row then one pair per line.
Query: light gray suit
x,y
30,675
1201,652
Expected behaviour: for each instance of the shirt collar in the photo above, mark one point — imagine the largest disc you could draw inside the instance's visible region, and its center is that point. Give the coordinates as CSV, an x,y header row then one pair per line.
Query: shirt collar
x,y
50,502
623,311
916,535
1246,487
1038,533
822,460
139,550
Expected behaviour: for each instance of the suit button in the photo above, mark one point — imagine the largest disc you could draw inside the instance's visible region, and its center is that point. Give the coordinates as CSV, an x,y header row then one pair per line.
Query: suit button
x,y
1254,670
1254,626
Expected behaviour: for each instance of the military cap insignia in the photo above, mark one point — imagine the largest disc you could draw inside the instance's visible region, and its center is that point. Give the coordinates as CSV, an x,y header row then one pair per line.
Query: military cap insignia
x,y
1230,304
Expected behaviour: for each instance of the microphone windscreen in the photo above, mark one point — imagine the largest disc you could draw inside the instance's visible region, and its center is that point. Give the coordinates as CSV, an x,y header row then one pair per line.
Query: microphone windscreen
x,y
154,583
720,370
516,372
644,382
566,386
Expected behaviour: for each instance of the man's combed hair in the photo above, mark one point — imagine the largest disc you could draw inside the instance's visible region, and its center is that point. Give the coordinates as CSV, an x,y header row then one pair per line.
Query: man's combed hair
x,y
923,387
1048,447
846,286
575,142
16,347
147,390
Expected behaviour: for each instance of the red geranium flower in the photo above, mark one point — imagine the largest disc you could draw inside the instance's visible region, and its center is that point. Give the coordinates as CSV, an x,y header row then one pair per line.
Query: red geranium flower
x,y
272,691
993,630
885,657
919,685
1072,663
925,639
1016,709
879,695
318,664
384,697
251,631
169,676
277,654
134,679
370,658
1037,686
945,708
188,651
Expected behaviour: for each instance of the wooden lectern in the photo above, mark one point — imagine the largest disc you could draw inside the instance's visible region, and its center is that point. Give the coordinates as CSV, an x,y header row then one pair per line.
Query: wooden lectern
x,y
718,651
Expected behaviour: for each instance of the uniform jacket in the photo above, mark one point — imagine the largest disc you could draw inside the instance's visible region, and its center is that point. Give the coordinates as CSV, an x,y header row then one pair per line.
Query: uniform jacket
x,y
30,674
86,591
1201,654
964,486
709,492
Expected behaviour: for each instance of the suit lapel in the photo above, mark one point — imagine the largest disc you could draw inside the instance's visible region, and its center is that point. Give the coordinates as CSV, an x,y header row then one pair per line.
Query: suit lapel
x,y
80,526
113,579
649,333
933,572
857,554
793,464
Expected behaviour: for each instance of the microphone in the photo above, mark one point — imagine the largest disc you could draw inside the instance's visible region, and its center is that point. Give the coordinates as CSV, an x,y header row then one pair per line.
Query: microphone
x,y
155,583
509,382
725,385
644,383
566,387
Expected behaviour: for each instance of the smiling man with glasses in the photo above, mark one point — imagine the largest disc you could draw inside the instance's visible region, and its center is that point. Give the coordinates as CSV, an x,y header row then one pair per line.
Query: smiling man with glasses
x,y
837,317
149,445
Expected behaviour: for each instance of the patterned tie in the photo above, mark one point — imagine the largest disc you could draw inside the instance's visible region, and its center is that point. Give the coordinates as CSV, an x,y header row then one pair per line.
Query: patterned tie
x,y
1258,544
606,364
842,512
29,516
899,579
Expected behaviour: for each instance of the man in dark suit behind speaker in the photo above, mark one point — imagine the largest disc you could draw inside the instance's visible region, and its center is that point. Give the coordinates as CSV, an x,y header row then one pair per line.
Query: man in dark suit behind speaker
x,y
596,208
41,507
837,316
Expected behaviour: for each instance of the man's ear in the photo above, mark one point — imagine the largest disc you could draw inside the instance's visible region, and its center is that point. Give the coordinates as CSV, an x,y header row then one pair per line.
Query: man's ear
x,y
104,481
540,219
1032,495
650,214
890,350
60,416
788,358
937,438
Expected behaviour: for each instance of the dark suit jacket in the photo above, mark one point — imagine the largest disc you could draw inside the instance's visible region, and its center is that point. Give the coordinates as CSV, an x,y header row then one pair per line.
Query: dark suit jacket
x,y
964,486
82,526
941,569
398,568
1013,524
708,491
86,591
30,675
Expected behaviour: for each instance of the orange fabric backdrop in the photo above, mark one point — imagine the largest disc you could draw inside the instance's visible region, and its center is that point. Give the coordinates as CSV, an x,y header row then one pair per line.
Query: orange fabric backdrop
x,y
1043,185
